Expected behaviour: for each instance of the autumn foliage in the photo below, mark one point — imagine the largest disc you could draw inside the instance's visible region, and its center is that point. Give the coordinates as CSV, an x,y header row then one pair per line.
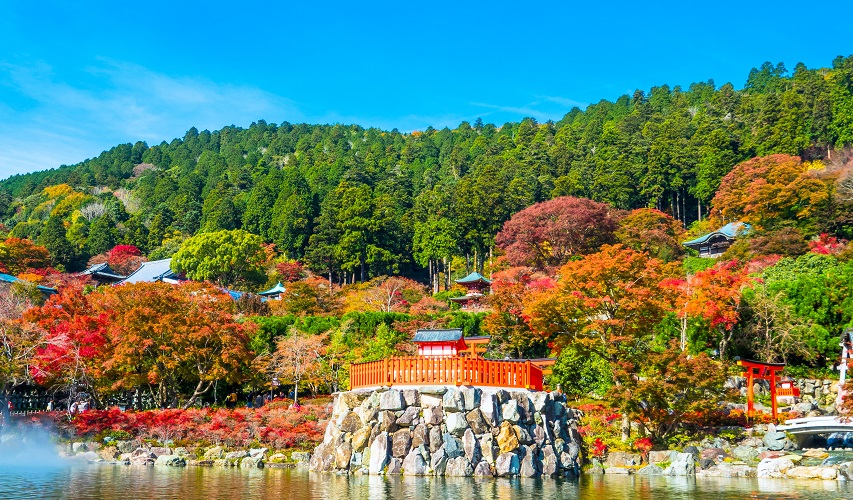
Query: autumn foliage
x,y
547,234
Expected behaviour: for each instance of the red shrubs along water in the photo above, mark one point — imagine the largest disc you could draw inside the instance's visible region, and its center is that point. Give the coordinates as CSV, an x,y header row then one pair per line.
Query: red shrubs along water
x,y
275,425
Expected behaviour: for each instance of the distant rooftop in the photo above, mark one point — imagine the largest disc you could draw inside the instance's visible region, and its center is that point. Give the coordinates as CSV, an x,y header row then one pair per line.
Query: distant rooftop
x,y
277,289
474,277
8,278
448,335
102,269
730,231
149,272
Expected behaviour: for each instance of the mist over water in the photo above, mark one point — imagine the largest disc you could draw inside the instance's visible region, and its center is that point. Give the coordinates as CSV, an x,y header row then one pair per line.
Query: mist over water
x,y
26,446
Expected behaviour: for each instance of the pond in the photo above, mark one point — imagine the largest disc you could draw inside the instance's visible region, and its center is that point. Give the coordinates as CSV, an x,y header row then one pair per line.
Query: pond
x,y
83,481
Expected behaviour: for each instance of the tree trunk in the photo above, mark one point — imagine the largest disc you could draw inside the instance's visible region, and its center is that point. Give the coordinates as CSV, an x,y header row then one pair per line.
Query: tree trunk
x,y
626,428
699,208
5,396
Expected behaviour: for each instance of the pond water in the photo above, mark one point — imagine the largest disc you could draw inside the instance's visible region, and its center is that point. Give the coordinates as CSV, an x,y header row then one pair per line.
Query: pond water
x,y
81,481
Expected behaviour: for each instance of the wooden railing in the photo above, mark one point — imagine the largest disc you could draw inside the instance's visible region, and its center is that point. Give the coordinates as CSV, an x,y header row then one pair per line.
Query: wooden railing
x,y
440,370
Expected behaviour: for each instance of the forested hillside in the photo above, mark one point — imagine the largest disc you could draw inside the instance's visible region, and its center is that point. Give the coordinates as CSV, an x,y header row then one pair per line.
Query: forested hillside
x,y
354,203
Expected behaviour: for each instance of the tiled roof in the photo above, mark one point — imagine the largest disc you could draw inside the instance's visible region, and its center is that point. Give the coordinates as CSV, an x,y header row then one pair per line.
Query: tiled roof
x,y
438,335
8,278
102,269
473,278
150,272
277,289
730,231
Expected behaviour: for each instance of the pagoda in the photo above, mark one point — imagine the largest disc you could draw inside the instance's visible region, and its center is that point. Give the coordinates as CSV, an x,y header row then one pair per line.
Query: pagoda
x,y
475,284
273,293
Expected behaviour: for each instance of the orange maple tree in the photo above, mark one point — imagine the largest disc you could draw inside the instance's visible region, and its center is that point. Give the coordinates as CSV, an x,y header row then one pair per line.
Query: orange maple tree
x,y
162,336
605,303
769,189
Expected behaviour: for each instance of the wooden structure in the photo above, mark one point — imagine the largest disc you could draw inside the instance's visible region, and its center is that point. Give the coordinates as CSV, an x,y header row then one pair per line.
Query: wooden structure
x,y
716,242
475,285
273,293
102,274
755,370
447,370
446,357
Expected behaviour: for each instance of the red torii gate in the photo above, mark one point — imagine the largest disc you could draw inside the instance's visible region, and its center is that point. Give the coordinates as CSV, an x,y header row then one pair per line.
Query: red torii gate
x,y
753,370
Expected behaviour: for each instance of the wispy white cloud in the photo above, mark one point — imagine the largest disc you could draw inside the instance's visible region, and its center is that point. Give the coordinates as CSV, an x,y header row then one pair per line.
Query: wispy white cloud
x,y
542,108
124,103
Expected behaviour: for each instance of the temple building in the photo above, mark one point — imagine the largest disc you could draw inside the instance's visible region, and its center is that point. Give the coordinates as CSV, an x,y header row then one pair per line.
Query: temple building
x,y
273,293
155,270
475,285
716,242
102,274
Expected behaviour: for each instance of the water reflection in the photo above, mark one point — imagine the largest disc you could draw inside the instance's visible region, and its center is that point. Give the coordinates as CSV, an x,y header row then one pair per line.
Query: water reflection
x,y
120,482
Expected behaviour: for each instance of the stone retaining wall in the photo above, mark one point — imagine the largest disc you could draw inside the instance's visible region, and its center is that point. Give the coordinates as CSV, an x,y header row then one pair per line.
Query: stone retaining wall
x,y
443,431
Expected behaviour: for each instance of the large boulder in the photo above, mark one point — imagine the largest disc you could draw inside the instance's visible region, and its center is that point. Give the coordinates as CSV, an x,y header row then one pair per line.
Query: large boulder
x,y
170,461
420,435
775,441
524,436
360,439
540,400
214,453
395,466
438,462
471,447
530,465
507,465
401,443
343,455
254,463
489,409
507,438
716,454
650,470
459,466
550,462
387,421
470,397
409,417
352,399
488,448
525,407
623,459
452,446
745,453
510,412
477,422
773,467
351,422
817,472
433,415
391,400
456,424
141,456
414,464
379,453
683,465
436,439
236,455
483,470
411,397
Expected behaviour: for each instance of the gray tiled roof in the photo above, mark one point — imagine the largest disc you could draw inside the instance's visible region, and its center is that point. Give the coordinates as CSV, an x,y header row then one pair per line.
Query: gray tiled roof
x,y
150,272
438,335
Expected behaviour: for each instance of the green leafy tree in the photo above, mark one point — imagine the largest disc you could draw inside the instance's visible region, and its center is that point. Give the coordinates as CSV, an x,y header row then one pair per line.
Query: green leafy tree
x,y
227,258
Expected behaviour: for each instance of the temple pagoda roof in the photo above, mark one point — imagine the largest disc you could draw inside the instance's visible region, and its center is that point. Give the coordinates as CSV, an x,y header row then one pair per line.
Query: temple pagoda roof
x,y
104,271
472,278
447,335
152,271
730,231
276,290
45,290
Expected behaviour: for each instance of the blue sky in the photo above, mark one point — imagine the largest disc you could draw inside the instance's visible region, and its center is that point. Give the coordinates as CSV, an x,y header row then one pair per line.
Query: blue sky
x,y
80,77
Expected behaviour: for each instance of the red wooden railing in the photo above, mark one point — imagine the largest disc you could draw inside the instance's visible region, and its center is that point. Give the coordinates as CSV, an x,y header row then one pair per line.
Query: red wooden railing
x,y
445,370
